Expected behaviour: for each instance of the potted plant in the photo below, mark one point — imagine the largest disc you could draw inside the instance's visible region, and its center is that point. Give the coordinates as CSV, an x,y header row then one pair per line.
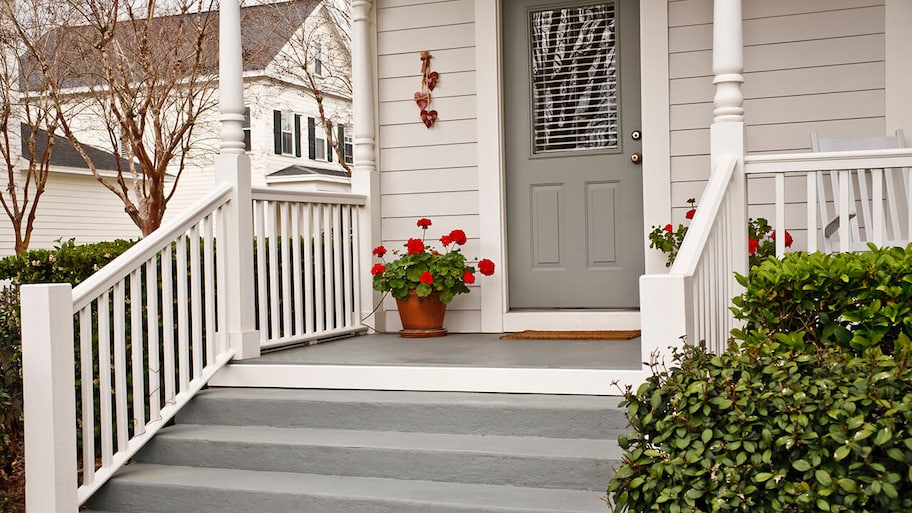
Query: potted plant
x,y
423,280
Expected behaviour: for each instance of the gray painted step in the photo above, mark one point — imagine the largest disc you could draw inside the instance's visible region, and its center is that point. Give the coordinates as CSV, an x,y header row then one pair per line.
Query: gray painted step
x,y
142,488
581,464
555,416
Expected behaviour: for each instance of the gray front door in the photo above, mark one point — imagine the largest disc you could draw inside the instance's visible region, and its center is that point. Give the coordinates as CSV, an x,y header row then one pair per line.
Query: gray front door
x,y
574,198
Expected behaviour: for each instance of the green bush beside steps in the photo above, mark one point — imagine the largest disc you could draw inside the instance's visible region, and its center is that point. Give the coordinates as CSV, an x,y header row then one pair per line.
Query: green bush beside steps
x,y
810,411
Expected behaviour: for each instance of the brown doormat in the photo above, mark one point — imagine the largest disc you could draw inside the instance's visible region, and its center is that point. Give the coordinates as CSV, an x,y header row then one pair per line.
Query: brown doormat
x,y
572,335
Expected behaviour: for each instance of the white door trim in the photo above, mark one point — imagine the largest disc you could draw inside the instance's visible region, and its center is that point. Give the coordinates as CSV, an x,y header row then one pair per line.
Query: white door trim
x,y
492,217
495,316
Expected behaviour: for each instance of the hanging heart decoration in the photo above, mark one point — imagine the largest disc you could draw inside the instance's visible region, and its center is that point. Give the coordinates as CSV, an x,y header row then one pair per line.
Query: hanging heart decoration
x,y
429,81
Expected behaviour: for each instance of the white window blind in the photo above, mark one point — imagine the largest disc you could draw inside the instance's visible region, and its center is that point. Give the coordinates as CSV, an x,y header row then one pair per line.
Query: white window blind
x,y
574,78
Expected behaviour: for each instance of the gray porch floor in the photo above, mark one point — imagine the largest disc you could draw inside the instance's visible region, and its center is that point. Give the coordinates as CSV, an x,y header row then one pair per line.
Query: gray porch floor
x,y
469,350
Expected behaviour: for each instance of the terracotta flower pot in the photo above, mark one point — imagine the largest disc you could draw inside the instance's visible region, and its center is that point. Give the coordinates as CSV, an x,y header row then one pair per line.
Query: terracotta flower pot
x,y
421,316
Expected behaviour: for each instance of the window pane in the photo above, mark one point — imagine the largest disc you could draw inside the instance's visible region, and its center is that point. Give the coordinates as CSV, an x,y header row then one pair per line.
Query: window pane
x,y
320,143
574,78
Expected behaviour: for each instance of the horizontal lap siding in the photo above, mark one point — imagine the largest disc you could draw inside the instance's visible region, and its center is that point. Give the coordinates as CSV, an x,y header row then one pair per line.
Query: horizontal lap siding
x,y
809,66
73,206
428,172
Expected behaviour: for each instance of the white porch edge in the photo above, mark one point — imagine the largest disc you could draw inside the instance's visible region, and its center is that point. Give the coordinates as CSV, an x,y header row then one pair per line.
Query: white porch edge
x,y
431,378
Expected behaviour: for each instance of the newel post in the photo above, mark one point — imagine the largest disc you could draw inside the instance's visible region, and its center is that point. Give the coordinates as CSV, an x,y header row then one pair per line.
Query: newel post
x,y
727,131
365,177
232,166
49,398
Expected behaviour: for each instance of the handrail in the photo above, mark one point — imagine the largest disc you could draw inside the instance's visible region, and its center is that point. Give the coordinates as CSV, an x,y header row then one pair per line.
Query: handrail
x,y
145,249
273,194
701,227
827,161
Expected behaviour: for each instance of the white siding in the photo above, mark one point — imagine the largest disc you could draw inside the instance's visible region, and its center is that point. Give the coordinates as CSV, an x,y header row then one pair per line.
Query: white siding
x,y
73,206
809,66
428,172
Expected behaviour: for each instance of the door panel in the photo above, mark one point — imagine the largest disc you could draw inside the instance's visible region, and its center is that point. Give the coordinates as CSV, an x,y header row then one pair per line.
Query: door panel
x,y
574,199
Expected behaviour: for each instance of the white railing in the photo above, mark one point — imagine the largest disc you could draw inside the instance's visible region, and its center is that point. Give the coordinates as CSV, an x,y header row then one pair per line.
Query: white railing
x,y
307,265
692,300
148,327
850,198
838,201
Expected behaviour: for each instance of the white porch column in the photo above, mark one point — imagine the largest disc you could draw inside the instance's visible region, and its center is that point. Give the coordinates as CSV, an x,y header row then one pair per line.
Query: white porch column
x,y
232,165
49,401
365,177
727,131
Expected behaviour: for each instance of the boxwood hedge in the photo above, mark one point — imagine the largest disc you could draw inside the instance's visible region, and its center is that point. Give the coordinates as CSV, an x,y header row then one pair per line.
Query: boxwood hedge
x,y
771,429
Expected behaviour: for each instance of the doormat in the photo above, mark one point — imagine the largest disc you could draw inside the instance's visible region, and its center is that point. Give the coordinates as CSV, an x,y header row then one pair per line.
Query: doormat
x,y
572,335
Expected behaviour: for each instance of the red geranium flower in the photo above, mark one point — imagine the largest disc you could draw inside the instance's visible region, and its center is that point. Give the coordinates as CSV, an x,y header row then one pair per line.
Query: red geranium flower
x,y
446,240
415,246
468,277
690,213
752,244
424,222
426,277
788,238
486,267
379,251
378,269
669,228
458,236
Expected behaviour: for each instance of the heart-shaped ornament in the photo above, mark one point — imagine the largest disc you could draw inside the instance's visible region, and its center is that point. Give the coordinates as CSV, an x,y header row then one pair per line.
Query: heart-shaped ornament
x,y
432,79
428,117
422,100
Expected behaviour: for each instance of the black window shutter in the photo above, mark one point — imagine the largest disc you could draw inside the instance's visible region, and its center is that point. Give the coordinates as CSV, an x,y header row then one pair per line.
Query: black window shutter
x,y
329,147
311,139
340,140
297,135
277,130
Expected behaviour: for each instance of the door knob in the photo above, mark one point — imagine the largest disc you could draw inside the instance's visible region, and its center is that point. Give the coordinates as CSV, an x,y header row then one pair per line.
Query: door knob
x,y
636,158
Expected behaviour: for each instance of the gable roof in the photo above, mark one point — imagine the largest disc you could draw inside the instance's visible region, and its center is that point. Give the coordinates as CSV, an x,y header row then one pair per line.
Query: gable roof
x,y
265,30
64,153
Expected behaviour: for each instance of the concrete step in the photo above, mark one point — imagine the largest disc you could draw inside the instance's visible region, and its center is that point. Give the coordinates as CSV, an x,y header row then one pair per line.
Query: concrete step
x,y
555,416
142,488
581,464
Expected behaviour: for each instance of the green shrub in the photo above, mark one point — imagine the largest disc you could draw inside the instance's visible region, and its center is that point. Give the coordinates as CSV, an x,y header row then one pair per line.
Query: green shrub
x,y
771,429
855,300
67,263
11,429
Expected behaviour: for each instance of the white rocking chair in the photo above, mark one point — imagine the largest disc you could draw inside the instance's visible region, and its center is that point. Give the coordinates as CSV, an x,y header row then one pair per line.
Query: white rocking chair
x,y
860,187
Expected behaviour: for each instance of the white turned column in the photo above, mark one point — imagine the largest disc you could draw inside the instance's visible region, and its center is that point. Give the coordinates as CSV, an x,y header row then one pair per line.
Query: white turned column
x,y
48,397
727,131
728,61
232,165
365,177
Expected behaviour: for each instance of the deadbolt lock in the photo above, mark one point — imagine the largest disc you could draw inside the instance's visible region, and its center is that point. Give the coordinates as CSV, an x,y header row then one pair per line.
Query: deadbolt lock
x,y
636,135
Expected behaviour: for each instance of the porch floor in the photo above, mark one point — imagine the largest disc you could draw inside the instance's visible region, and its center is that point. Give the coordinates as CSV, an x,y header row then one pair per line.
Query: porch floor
x,y
461,350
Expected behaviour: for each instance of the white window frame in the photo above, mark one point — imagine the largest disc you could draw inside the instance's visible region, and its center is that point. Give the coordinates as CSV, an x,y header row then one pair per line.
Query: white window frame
x,y
288,136
348,145
319,140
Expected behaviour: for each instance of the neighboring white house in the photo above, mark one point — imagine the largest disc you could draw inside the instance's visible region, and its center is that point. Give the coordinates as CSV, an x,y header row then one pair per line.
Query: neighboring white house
x,y
283,134
551,210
